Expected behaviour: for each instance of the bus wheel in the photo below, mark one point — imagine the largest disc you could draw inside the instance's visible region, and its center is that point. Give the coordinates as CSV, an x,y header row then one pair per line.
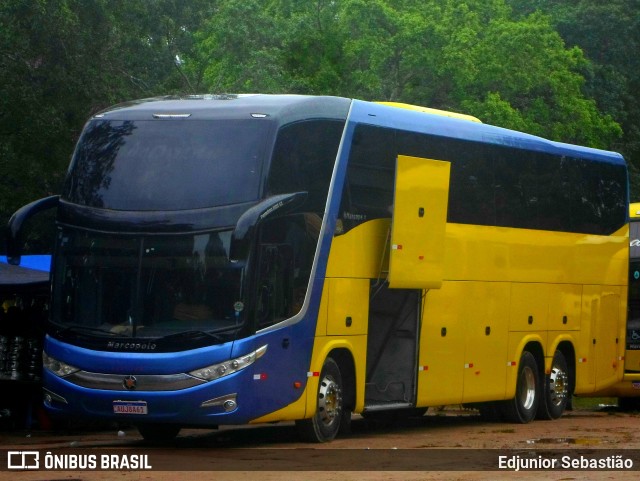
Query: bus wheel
x,y
329,416
158,433
523,407
556,389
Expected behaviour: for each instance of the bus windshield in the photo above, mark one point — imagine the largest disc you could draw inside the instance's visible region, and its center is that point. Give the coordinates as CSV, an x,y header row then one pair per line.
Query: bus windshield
x,y
147,287
146,165
633,321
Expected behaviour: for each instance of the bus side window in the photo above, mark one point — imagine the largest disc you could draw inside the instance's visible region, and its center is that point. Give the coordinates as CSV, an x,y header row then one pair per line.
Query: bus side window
x,y
368,189
285,259
274,284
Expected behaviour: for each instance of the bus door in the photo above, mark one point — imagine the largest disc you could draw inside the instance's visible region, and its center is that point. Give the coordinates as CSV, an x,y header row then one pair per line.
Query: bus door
x,y
419,215
394,319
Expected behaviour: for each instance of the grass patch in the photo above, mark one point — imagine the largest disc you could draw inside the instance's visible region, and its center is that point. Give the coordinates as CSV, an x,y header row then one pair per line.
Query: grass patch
x,y
591,403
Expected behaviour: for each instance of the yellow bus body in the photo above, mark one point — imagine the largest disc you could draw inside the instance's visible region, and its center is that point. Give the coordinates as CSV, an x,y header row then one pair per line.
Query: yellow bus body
x,y
503,291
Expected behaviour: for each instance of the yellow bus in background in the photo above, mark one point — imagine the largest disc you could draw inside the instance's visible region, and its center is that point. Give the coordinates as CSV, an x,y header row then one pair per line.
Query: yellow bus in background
x,y
628,390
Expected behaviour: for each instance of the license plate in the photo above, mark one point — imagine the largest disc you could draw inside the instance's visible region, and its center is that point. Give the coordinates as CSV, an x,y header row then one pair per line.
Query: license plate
x,y
130,407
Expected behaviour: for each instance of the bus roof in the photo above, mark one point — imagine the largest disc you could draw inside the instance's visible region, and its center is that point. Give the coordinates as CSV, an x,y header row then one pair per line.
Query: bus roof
x,y
428,110
420,120
283,109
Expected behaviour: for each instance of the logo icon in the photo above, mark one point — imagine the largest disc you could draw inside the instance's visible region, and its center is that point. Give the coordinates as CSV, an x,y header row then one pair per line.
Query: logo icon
x,y
130,383
23,460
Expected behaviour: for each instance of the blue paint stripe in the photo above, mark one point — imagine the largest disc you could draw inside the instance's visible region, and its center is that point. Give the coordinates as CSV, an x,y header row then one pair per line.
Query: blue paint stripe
x,y
404,119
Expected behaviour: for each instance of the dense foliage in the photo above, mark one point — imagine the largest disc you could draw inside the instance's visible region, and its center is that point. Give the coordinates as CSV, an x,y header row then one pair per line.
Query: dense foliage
x,y
564,70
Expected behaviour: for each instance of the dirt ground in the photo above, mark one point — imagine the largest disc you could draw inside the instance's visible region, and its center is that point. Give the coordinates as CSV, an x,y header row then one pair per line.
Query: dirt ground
x,y
451,443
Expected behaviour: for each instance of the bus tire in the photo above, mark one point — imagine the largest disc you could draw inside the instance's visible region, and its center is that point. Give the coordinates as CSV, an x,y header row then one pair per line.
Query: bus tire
x,y
158,433
523,407
556,393
330,411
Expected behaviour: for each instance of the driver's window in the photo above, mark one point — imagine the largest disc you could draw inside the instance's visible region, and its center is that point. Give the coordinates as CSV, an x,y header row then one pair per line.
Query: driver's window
x,y
285,256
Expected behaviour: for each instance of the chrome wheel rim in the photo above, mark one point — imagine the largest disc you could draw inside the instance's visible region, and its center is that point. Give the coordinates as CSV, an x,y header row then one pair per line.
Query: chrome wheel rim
x,y
527,389
329,401
558,386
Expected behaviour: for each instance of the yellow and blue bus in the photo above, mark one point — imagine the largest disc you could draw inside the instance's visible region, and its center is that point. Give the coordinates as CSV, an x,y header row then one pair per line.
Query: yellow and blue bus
x,y
258,258
628,390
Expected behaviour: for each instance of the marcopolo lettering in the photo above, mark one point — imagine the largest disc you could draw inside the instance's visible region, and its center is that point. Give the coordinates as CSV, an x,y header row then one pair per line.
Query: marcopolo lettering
x,y
132,346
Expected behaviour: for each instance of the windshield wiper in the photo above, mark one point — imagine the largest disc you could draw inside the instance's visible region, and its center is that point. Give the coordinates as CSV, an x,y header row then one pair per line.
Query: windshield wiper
x,y
78,328
197,334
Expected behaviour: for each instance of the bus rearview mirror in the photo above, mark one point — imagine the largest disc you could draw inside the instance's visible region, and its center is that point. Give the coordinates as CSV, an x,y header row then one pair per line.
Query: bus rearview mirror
x,y
16,223
248,222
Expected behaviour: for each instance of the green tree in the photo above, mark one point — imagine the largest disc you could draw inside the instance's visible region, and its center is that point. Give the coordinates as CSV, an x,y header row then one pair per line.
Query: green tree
x,y
241,47
63,60
525,63
311,45
474,57
273,46
609,35
384,49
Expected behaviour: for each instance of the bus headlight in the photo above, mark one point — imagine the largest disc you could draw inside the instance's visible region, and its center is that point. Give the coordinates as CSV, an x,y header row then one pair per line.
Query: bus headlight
x,y
58,368
217,371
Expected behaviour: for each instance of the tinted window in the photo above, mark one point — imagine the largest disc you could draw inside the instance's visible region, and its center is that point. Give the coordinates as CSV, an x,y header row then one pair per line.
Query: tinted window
x,y
516,188
167,164
633,317
634,238
285,257
303,160
598,203
471,189
555,191
147,287
368,192
490,184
